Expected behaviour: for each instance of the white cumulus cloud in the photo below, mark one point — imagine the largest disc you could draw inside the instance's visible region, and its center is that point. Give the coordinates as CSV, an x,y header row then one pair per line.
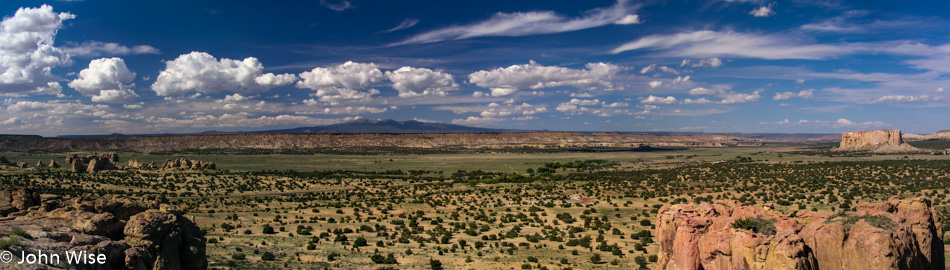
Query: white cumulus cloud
x,y
700,91
115,95
658,100
806,94
697,101
732,97
507,81
106,80
763,11
899,98
712,62
681,79
584,102
342,81
202,72
27,53
413,82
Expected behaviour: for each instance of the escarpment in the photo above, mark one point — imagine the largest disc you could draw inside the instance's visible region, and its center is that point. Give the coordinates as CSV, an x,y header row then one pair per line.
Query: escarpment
x,y
875,141
897,234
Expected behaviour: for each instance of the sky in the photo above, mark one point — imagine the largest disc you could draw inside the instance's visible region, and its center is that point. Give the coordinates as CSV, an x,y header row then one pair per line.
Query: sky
x,y
802,66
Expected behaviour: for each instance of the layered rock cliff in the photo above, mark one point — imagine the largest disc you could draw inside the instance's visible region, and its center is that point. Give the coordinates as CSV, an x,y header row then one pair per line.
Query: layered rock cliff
x,y
897,234
875,141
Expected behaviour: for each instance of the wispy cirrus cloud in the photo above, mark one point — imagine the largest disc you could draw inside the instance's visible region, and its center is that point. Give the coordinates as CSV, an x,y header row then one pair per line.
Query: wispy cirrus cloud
x,y
529,23
707,43
840,123
405,24
98,48
337,6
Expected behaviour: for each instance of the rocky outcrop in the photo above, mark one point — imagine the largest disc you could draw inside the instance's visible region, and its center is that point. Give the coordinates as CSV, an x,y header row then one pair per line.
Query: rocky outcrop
x,y
135,164
939,135
132,233
76,165
14,200
897,234
875,141
98,164
53,164
188,164
92,163
173,241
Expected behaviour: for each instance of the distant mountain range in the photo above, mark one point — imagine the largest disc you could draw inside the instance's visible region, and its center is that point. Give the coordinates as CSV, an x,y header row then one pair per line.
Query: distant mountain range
x,y
412,126
385,126
355,126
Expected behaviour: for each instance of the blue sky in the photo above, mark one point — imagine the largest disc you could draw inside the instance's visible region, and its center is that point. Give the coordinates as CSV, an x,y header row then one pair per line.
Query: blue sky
x,y
97,67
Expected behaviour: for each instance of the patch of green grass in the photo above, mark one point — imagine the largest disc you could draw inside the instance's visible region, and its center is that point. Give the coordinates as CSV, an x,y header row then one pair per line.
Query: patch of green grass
x,y
756,225
9,242
20,232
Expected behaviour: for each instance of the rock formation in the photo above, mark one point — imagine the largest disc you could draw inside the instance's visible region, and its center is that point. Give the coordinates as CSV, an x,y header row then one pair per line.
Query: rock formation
x,y
133,233
939,135
97,164
897,234
187,164
875,141
17,200
53,164
135,164
76,165
147,233
92,163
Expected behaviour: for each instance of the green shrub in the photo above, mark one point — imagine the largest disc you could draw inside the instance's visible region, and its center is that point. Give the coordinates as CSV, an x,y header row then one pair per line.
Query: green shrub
x,y
20,232
9,242
756,225
878,221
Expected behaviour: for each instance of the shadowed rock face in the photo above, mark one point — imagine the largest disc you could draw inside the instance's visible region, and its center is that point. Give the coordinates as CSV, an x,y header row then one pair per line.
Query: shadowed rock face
x,y
92,163
133,233
877,141
17,200
897,234
188,164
